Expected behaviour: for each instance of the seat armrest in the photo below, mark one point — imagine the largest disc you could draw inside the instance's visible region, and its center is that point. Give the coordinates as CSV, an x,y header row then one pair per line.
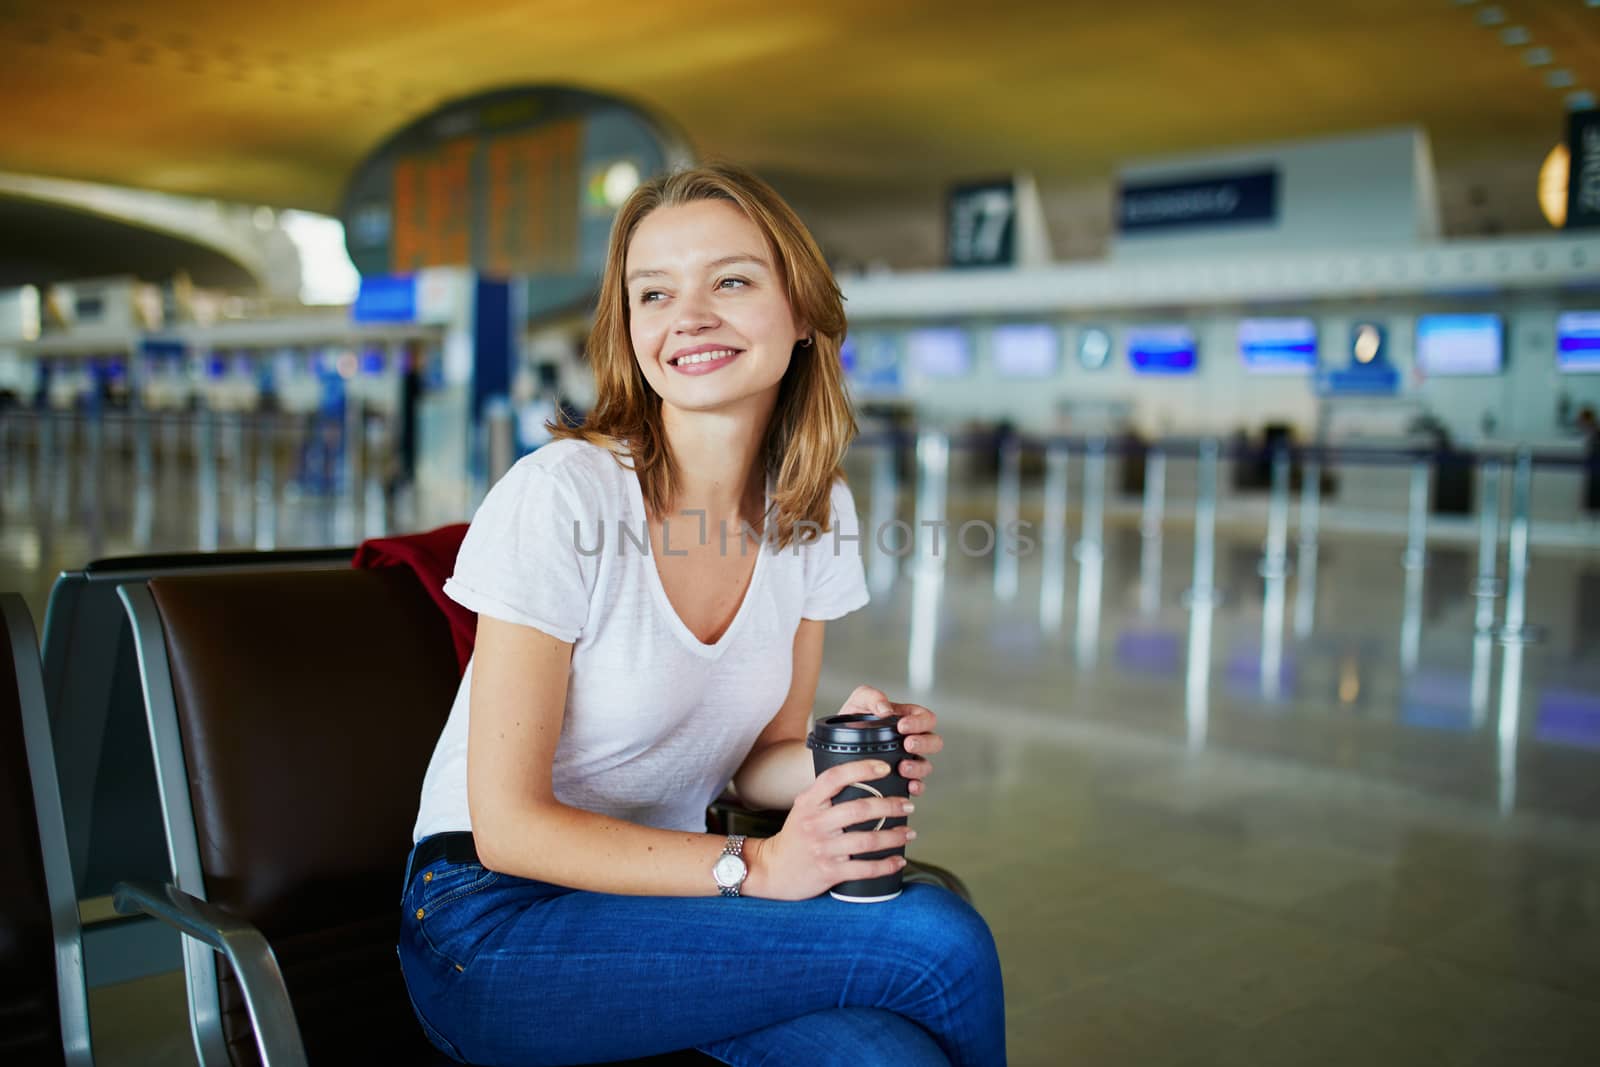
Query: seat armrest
x,y
265,995
727,815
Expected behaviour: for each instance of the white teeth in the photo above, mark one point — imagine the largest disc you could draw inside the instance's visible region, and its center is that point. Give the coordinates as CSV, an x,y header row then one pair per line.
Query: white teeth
x,y
705,357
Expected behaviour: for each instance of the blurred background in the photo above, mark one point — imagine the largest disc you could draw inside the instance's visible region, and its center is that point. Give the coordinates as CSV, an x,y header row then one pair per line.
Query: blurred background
x,y
1276,326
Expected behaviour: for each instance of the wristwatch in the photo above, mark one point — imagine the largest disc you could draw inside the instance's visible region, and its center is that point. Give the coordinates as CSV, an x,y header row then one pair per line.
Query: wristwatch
x,y
730,870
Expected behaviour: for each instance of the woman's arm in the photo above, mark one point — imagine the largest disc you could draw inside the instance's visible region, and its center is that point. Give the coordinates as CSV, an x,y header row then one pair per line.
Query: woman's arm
x,y
779,765
519,692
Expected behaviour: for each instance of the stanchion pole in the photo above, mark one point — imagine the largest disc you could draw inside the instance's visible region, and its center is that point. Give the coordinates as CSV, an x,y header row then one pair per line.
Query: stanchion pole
x,y
884,563
1274,571
1008,503
1150,529
1415,562
933,545
1305,588
1202,589
1486,590
144,466
374,517
266,516
1090,552
1053,584
1201,599
1516,629
205,451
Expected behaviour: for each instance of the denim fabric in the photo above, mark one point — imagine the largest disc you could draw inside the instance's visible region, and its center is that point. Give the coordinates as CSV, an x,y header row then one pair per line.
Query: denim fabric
x,y
509,972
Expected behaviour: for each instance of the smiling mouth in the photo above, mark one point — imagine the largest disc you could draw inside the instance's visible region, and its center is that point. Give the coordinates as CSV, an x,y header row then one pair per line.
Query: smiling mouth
x,y
704,357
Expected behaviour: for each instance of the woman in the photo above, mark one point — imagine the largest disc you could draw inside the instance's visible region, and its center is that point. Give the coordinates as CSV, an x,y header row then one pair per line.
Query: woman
x,y
651,593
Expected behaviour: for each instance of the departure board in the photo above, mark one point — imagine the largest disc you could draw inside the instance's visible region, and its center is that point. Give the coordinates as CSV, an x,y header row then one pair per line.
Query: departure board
x,y
513,182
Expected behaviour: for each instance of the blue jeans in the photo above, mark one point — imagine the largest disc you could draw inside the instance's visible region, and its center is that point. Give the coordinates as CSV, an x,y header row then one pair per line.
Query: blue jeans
x,y
510,972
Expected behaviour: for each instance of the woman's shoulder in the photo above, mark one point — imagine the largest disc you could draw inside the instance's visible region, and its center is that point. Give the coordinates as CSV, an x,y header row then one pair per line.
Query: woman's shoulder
x,y
588,473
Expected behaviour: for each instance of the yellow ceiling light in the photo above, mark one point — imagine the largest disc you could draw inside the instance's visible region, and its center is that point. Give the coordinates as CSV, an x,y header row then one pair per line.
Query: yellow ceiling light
x,y
1368,341
621,179
1553,185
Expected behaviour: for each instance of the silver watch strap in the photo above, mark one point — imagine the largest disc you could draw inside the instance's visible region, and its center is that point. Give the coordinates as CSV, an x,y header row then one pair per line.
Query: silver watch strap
x,y
733,847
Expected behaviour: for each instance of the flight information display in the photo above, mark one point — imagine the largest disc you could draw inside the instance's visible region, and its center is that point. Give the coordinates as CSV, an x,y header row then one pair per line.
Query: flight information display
x,y
872,363
1578,342
940,352
1162,350
1026,350
1278,346
1460,344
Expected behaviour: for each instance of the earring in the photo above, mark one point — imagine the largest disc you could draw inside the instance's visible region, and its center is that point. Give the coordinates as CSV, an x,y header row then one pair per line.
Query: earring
x,y
805,342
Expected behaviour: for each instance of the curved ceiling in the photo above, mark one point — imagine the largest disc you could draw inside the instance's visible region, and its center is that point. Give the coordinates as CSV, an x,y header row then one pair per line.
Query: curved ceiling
x,y
45,242
843,101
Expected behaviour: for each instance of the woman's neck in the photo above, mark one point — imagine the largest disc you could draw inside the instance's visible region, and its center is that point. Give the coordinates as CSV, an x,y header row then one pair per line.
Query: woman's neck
x,y
719,463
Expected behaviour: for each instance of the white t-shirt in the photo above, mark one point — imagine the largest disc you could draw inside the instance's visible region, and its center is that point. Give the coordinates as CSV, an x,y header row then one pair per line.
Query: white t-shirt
x,y
656,722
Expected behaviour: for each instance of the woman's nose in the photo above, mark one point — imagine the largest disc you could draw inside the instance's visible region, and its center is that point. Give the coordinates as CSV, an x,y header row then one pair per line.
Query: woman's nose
x,y
694,314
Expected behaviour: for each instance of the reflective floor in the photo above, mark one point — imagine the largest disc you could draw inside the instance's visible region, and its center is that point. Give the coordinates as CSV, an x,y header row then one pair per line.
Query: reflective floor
x,y
1283,824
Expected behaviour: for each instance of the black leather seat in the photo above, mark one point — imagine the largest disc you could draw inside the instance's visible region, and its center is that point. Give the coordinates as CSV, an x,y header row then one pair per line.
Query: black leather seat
x,y
294,713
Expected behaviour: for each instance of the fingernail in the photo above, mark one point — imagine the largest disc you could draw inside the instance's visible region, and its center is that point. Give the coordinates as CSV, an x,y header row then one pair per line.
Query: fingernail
x,y
908,808
911,835
881,768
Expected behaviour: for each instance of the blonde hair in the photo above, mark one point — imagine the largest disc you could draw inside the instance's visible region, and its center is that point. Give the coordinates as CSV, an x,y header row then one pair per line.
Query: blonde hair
x,y
812,424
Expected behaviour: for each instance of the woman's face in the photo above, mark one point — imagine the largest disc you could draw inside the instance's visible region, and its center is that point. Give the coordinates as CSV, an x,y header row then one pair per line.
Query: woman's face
x,y
710,322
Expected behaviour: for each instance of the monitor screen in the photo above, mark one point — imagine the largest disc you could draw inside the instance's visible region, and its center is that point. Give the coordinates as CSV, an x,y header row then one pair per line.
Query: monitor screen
x,y
1162,350
1578,342
940,352
1026,350
1459,344
872,363
1278,346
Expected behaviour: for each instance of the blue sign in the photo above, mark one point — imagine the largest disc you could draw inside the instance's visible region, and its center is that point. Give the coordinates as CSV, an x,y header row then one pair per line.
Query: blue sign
x,y
1278,346
1162,350
1578,342
386,298
1225,200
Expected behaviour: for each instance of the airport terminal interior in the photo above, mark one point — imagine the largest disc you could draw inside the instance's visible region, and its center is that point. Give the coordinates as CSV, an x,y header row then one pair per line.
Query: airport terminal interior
x,y
1227,379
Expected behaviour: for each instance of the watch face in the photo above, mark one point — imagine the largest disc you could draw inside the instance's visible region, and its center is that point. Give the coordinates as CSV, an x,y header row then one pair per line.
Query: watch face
x,y
1094,348
729,870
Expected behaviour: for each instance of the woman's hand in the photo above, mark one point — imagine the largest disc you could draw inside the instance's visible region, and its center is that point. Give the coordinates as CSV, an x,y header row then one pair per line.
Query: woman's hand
x,y
916,726
811,854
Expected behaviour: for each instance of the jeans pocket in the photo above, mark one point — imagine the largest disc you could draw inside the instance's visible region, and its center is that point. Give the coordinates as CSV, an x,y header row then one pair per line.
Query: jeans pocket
x,y
438,905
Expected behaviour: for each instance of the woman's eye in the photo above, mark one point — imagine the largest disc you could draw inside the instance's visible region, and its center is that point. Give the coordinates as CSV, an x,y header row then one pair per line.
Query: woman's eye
x,y
644,297
737,281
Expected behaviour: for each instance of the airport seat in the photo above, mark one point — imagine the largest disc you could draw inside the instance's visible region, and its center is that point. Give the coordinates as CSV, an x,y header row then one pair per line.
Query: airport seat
x,y
102,746
44,1007
292,715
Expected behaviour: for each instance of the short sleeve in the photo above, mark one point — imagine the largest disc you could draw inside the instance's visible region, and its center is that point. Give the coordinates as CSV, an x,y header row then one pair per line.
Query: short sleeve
x,y
836,582
521,560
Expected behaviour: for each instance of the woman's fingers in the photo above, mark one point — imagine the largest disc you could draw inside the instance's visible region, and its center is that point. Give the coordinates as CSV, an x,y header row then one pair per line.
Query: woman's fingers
x,y
914,718
830,782
867,700
866,810
864,841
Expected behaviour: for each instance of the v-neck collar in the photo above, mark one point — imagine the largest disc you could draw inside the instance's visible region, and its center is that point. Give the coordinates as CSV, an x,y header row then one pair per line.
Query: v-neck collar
x,y
659,591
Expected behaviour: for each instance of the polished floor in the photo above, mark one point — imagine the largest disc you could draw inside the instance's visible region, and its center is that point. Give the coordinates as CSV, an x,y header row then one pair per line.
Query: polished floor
x,y
1336,827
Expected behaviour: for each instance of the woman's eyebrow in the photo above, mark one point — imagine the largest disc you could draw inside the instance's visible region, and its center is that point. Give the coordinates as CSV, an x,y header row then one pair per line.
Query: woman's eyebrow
x,y
740,257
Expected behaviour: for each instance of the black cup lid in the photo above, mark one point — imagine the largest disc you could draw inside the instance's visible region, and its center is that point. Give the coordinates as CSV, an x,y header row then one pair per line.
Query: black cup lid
x,y
855,733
